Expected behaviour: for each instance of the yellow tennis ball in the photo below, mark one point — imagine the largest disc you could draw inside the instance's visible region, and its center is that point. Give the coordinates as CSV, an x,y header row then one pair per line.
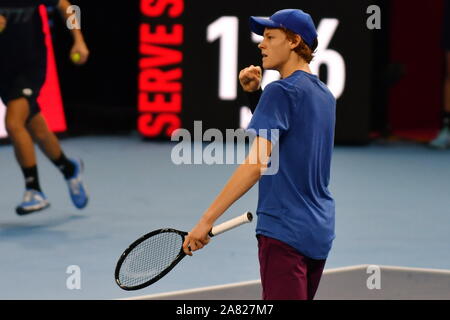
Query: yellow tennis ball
x,y
76,57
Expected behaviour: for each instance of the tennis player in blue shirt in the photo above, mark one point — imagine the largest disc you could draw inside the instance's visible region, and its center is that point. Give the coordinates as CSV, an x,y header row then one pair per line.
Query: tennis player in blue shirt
x,y
296,212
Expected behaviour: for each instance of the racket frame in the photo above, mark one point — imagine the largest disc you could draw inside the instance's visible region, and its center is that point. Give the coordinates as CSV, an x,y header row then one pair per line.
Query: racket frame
x,y
225,226
124,255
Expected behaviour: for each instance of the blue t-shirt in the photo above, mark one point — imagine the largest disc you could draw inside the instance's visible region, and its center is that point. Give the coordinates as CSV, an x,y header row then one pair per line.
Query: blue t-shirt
x,y
295,205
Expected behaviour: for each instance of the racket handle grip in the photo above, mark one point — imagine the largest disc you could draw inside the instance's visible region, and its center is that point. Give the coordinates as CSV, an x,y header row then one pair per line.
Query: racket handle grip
x,y
230,224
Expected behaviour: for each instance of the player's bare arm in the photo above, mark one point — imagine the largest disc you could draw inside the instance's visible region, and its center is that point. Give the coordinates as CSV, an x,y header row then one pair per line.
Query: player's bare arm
x,y
79,53
245,176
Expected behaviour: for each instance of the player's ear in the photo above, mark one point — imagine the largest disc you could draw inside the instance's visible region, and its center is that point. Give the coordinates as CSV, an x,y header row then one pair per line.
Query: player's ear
x,y
295,41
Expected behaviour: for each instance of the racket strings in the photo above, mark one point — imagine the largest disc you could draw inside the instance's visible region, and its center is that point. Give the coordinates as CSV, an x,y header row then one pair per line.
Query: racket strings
x,y
149,258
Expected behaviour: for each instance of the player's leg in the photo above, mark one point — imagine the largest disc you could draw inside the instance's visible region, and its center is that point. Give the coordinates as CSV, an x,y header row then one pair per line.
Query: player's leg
x,y
315,270
70,168
49,144
447,88
283,270
442,140
17,113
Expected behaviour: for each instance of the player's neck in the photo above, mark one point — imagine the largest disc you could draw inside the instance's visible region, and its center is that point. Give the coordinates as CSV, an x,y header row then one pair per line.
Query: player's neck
x,y
293,64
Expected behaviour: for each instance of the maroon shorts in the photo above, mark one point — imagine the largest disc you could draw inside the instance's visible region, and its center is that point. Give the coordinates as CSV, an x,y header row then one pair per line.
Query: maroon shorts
x,y
286,274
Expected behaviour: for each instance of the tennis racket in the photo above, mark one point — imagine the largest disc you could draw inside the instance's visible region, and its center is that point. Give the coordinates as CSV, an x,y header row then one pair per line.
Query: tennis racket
x,y
153,255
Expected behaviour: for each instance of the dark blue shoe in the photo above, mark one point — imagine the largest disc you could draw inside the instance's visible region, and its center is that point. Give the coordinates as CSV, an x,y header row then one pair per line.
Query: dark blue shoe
x,y
32,201
77,189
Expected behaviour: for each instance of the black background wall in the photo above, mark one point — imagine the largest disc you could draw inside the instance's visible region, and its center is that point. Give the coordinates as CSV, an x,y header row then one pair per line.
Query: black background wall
x,y
101,96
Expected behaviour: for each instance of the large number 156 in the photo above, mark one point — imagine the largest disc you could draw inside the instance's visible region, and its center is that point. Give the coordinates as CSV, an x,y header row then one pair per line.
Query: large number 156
x,y
226,29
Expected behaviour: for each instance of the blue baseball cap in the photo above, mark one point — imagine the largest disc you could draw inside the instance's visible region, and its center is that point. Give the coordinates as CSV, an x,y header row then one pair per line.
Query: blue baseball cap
x,y
295,20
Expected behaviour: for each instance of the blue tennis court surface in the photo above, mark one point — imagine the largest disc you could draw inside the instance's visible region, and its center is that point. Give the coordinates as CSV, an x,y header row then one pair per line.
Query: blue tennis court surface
x,y
392,209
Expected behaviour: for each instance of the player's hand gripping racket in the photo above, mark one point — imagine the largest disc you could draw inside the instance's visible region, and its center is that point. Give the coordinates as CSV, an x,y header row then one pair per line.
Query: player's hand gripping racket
x,y
152,256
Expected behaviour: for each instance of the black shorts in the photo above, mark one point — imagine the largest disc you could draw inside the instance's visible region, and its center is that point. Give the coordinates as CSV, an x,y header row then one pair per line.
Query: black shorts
x,y
23,83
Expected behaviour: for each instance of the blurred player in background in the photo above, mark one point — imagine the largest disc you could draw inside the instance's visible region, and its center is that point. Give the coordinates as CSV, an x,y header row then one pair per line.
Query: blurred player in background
x,y
442,141
296,211
23,59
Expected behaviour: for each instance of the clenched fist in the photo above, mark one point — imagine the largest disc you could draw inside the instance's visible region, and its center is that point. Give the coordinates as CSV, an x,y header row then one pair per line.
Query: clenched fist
x,y
250,78
79,48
